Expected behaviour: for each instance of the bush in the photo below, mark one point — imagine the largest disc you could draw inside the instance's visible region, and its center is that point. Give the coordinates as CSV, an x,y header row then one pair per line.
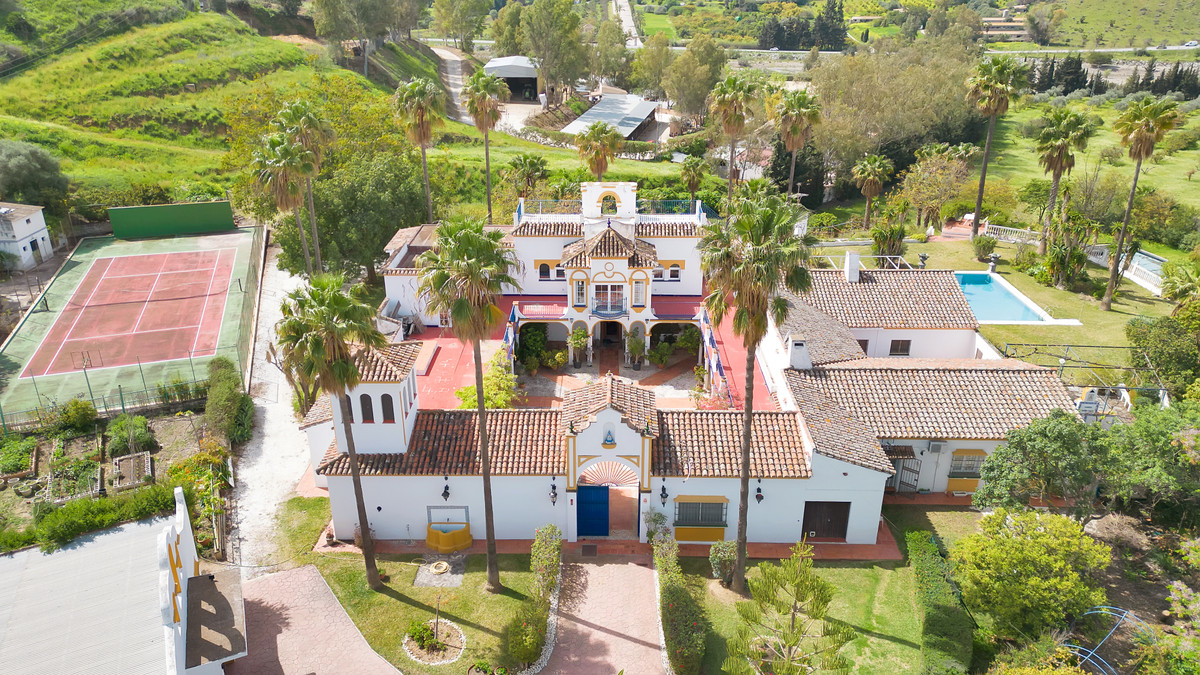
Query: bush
x,y
684,623
15,453
77,415
946,628
721,555
128,434
422,634
984,246
81,516
533,341
661,353
544,557
527,631
531,364
689,340
229,411
12,539
243,422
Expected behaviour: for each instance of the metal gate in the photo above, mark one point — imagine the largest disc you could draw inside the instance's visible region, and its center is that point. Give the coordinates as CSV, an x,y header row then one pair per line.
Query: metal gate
x,y
592,511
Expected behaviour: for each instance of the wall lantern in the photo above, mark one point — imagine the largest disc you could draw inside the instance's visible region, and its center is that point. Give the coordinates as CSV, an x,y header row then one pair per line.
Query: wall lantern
x,y
663,494
446,490
758,495
553,492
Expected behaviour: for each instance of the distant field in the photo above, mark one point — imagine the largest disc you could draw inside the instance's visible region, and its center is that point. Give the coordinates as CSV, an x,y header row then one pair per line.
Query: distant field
x,y
1106,23
657,23
54,23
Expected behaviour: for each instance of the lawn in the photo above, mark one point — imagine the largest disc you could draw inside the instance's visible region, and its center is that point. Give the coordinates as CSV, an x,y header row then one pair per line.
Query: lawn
x,y
657,23
383,617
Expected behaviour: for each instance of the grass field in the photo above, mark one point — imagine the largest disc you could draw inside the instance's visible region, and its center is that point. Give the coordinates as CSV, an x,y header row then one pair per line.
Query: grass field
x,y
657,23
1103,23
58,23
404,62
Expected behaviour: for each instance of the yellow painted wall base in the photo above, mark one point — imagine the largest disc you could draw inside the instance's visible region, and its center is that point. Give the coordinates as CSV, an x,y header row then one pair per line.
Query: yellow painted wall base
x,y
448,542
962,484
699,533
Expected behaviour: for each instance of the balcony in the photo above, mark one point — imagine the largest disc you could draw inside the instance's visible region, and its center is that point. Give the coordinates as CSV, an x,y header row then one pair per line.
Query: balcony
x,y
609,308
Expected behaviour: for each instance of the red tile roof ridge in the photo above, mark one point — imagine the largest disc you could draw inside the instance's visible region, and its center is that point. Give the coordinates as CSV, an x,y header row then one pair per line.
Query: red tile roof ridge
x,y
906,363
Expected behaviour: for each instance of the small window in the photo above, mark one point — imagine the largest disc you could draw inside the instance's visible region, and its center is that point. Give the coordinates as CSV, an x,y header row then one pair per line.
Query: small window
x,y
965,466
673,273
700,514
863,344
580,296
350,407
900,348
368,412
639,293
560,272
389,410
544,272
658,273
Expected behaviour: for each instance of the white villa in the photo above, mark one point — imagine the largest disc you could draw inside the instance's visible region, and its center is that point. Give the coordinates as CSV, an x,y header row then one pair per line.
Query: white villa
x,y
23,233
877,382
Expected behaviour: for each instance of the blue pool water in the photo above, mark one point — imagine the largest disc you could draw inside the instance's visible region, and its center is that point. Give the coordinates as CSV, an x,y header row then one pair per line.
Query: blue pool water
x,y
992,301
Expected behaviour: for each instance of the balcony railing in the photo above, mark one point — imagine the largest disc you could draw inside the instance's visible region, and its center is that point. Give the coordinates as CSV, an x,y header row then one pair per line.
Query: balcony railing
x,y
665,206
534,207
609,308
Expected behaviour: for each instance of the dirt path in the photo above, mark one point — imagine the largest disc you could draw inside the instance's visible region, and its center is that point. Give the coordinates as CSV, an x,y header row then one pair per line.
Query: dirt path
x,y
271,464
452,76
625,14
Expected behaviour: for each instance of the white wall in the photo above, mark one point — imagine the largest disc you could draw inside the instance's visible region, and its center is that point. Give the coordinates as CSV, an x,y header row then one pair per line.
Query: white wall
x,y
169,594
691,278
529,250
27,229
403,289
380,437
935,468
926,343
319,438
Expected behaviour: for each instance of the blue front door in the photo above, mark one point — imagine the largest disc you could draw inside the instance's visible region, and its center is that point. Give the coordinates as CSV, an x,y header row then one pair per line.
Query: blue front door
x,y
592,518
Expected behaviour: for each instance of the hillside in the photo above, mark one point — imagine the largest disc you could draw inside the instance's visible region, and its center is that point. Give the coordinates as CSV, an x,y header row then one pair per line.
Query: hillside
x,y
29,28
1132,23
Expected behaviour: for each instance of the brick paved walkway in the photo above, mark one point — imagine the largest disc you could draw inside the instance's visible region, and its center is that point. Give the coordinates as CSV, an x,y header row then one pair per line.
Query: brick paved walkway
x,y
295,625
608,620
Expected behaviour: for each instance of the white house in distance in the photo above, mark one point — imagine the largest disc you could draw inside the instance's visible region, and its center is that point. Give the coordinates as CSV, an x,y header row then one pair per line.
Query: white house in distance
x,y
23,233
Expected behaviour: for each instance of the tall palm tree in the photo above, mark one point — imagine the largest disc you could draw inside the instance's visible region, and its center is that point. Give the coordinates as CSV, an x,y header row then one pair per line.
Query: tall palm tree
x,y
870,173
420,107
746,259
994,84
300,121
1065,133
527,169
331,327
278,166
795,116
463,276
1141,126
482,95
598,146
731,100
692,172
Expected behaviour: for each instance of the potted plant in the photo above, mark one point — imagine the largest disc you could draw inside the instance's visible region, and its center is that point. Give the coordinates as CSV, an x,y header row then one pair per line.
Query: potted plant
x,y
578,340
531,364
637,349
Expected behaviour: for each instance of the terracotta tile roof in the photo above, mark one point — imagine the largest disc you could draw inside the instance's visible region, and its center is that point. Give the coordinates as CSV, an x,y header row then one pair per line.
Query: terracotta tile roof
x,y
964,399
609,244
687,228
636,405
389,364
836,433
892,299
403,236
708,443
548,229
828,340
321,412
521,442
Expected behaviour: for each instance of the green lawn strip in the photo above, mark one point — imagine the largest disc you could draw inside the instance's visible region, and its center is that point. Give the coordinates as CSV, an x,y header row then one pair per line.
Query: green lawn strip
x,y
949,523
875,598
657,23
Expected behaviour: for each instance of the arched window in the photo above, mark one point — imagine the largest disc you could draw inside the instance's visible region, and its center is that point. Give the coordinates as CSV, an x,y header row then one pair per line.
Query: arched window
x,y
368,413
389,413
608,205
673,273
349,408
544,272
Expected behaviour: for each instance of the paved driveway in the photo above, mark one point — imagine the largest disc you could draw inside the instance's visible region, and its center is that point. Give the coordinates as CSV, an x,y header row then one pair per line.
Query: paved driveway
x,y
608,620
295,626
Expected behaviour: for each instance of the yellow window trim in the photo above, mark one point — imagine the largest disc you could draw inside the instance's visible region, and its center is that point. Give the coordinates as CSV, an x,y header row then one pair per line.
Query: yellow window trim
x,y
702,499
685,533
962,484
667,263
968,452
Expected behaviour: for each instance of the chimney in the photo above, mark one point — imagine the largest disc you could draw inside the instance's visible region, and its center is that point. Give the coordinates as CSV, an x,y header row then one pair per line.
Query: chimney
x,y
798,356
851,266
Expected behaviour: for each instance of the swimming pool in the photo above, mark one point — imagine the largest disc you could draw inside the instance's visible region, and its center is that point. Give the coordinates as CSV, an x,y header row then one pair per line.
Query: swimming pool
x,y
994,301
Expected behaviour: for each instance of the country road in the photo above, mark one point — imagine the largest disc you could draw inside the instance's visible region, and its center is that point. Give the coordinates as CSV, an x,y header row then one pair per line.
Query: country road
x,y
625,14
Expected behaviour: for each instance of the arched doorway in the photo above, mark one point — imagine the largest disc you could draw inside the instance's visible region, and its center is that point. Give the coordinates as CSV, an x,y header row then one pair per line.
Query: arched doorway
x,y
608,502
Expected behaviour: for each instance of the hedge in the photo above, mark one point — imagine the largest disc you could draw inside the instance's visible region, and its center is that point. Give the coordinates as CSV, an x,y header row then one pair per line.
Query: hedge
x,y
685,625
946,628
229,410
545,555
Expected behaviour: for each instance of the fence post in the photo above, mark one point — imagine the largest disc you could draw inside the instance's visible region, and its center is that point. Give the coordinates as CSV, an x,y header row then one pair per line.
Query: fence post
x,y
121,394
89,386
193,365
3,423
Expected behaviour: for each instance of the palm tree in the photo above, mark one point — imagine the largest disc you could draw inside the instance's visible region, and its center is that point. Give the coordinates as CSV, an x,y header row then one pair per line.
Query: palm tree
x,y
527,169
1141,126
1065,133
692,173
482,95
331,327
731,100
870,173
598,146
795,116
745,261
1181,284
303,125
419,105
463,276
278,166
994,84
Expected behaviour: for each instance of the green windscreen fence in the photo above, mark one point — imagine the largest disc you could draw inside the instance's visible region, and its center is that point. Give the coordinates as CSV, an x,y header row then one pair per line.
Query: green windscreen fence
x,y
166,220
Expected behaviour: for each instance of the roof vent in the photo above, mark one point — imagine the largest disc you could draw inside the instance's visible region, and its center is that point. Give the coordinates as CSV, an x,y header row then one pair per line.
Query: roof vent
x,y
851,267
798,356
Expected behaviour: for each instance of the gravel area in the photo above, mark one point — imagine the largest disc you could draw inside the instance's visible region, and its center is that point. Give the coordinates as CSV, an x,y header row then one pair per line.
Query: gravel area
x,y
266,473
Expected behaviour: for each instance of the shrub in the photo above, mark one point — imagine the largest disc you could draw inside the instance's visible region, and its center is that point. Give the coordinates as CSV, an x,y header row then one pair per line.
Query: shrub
x,y
527,631
1185,604
544,557
721,555
243,422
946,628
229,411
422,634
15,453
684,623
984,246
12,539
531,364
77,415
127,434
81,516
661,353
689,340
533,341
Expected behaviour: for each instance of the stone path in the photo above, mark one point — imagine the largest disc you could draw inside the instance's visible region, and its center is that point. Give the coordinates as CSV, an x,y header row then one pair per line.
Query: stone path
x,y
452,76
294,625
608,620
